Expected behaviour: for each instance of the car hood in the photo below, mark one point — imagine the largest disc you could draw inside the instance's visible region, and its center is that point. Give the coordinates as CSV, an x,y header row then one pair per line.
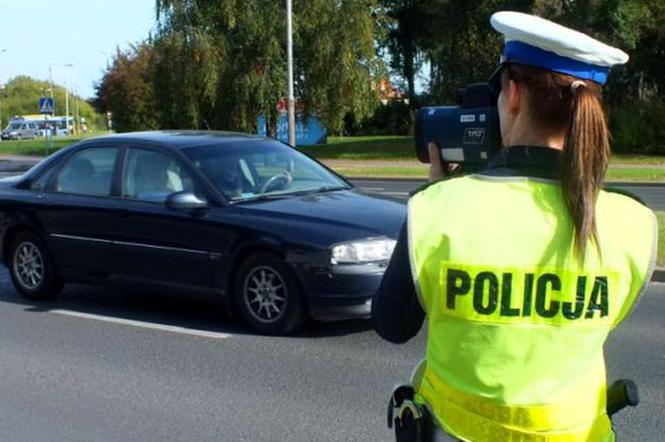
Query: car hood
x,y
337,215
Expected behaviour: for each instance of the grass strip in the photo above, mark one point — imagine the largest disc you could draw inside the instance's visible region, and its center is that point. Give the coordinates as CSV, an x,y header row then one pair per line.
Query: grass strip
x,y
383,172
365,169
38,147
402,148
636,174
364,148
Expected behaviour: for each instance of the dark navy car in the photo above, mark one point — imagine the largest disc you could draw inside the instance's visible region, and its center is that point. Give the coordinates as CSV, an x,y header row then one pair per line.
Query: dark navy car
x,y
249,221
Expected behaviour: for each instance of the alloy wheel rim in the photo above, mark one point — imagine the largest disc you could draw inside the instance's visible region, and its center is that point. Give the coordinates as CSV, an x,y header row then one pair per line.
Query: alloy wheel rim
x,y
265,294
28,265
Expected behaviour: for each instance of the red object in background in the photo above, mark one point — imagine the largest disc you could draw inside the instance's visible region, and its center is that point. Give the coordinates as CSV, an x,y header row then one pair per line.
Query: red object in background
x,y
282,105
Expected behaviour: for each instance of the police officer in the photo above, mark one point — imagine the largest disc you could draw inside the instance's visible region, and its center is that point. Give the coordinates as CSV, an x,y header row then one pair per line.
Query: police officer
x,y
523,269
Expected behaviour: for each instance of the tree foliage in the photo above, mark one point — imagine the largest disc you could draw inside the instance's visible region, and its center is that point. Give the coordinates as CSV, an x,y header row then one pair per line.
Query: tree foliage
x,y
127,89
404,38
460,45
20,96
218,64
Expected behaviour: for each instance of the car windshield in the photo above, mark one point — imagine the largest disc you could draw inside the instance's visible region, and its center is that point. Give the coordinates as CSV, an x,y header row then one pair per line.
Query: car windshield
x,y
261,169
14,126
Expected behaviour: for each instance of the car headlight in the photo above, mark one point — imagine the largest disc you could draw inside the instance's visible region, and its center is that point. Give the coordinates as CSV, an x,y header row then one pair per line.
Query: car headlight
x,y
362,251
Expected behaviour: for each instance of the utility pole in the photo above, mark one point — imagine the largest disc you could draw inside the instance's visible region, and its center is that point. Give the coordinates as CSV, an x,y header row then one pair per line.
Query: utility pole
x,y
68,65
50,79
77,122
2,51
289,49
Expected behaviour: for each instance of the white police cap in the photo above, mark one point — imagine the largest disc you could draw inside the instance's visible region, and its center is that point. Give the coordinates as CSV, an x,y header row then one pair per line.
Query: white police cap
x,y
541,43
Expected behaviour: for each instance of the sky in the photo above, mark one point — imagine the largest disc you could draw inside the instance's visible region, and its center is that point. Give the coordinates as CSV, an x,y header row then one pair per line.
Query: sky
x,y
38,34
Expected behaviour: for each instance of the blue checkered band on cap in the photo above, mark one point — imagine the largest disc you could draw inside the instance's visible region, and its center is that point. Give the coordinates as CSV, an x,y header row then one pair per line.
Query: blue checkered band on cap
x,y
518,52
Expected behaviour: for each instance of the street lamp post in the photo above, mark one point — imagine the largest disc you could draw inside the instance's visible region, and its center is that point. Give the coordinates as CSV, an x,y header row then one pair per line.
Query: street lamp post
x,y
289,51
50,79
68,65
2,51
77,118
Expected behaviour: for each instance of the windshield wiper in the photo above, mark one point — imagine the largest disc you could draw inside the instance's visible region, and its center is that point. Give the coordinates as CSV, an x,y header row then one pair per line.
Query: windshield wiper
x,y
322,189
262,198
332,188
276,196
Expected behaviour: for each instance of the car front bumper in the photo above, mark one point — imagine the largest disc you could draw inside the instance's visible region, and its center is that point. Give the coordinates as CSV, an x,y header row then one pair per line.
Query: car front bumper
x,y
340,292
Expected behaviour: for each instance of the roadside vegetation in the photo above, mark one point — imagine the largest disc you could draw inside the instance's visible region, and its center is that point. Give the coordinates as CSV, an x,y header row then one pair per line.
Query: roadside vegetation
x,y
413,169
394,156
38,146
21,94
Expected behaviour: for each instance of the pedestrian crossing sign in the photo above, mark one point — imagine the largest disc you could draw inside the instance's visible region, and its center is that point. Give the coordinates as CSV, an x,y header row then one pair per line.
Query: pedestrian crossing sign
x,y
46,105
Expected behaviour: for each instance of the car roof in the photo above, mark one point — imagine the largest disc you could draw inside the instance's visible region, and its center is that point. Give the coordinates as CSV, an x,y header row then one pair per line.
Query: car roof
x,y
180,139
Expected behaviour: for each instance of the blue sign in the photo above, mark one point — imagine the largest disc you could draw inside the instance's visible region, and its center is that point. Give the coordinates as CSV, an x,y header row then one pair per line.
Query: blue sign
x,y
308,132
46,105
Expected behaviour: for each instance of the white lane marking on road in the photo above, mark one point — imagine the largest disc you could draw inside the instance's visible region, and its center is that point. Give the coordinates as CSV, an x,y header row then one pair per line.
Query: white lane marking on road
x,y
143,324
372,188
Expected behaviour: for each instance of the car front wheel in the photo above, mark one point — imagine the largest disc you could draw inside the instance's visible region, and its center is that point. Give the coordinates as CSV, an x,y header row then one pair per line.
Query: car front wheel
x,y
267,295
31,268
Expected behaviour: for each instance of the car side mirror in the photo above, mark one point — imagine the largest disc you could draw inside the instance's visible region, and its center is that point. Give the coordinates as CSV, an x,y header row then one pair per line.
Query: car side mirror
x,y
185,200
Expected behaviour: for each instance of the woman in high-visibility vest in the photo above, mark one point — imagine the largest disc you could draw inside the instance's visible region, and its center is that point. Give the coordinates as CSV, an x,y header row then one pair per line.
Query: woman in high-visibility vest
x,y
523,269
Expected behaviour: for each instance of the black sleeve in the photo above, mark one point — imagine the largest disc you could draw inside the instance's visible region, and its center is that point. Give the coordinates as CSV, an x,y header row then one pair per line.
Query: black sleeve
x,y
396,311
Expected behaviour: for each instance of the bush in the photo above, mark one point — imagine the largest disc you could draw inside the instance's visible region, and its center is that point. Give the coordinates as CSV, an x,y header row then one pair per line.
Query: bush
x,y
639,128
394,118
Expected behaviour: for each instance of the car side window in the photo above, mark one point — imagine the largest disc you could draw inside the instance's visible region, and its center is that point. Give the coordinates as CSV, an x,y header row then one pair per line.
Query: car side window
x,y
88,172
152,176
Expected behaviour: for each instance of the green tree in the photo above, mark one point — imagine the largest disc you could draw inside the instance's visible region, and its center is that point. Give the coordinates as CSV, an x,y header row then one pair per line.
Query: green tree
x,y
243,67
408,24
20,96
127,90
460,43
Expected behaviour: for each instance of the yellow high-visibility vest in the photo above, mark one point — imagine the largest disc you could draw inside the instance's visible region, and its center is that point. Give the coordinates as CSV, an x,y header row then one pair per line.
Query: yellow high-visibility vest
x,y
516,324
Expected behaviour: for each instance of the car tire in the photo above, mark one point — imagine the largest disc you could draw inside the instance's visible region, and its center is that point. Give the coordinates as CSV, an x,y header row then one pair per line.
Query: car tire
x,y
31,268
267,295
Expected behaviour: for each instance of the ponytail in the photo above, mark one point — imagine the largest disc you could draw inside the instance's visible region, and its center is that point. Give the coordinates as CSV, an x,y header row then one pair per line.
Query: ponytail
x,y
585,157
561,103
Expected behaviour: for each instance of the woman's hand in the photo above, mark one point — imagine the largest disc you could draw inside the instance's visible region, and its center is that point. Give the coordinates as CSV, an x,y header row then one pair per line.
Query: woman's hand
x,y
437,168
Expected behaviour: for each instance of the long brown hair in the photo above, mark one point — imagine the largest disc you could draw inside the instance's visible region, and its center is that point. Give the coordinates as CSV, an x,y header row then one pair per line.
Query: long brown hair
x,y
560,102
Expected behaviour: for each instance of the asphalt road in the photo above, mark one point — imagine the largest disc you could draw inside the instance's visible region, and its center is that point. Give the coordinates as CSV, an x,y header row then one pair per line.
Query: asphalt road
x,y
116,366
652,195
113,365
